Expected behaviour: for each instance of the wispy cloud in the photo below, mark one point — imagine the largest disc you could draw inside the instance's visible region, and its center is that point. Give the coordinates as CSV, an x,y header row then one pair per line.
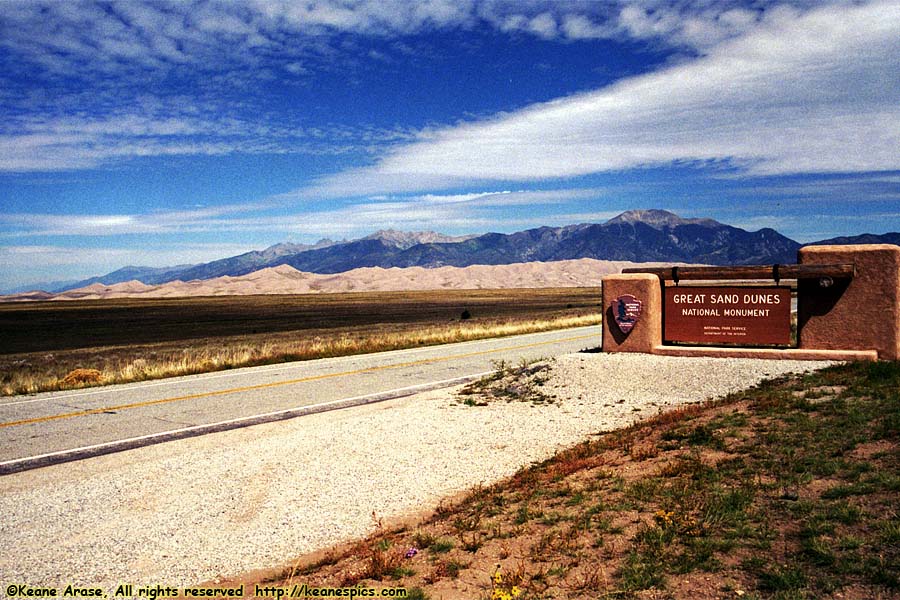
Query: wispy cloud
x,y
467,213
120,52
79,142
152,36
798,93
215,218
473,212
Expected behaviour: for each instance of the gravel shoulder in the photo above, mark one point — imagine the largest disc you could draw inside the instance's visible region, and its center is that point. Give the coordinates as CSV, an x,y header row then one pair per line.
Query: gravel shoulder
x,y
216,506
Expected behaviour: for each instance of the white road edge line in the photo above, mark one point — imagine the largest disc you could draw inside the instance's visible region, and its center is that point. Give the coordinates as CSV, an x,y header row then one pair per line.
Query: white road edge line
x,y
62,456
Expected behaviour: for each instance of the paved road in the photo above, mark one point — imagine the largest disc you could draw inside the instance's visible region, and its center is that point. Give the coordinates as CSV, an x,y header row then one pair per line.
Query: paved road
x,y
54,427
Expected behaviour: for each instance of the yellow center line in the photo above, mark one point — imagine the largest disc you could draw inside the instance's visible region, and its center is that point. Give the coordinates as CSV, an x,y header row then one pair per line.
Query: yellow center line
x,y
424,361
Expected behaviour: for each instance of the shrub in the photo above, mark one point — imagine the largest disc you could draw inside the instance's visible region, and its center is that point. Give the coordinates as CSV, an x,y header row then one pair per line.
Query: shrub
x,y
83,377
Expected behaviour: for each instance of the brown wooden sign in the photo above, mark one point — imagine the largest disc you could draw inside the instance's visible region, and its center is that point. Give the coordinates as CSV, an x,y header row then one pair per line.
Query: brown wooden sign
x,y
747,316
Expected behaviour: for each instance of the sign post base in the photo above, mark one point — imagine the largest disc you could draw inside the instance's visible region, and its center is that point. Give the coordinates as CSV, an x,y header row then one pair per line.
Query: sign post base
x,y
646,331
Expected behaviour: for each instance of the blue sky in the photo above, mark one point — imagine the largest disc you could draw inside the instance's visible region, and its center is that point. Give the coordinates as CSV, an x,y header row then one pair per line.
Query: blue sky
x,y
163,133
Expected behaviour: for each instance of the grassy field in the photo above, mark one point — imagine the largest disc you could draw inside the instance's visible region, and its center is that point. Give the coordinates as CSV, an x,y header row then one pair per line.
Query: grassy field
x,y
117,341
789,490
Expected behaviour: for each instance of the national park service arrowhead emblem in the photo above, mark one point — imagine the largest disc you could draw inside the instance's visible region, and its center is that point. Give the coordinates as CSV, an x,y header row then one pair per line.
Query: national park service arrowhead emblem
x,y
627,310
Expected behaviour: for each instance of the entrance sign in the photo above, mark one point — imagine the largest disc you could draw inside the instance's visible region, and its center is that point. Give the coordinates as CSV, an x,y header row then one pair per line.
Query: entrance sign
x,y
728,315
848,307
627,310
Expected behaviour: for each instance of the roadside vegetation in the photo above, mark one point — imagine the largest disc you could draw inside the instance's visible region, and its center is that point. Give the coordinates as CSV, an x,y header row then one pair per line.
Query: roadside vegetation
x,y
788,490
63,345
522,383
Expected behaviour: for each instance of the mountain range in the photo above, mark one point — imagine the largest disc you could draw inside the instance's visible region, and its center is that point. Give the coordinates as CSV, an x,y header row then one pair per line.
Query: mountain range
x,y
635,236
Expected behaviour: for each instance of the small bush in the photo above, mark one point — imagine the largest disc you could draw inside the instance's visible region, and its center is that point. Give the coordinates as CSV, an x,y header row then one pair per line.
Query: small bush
x,y
83,377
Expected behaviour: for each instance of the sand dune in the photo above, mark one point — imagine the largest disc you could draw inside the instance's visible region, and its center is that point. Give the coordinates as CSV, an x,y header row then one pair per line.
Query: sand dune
x,y
288,280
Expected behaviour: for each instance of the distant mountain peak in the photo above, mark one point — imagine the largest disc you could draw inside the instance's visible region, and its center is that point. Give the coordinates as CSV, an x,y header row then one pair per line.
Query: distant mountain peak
x,y
285,248
658,219
408,239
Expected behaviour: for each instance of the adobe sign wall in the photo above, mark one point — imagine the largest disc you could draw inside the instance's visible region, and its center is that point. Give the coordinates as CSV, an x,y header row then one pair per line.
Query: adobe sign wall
x,y
854,318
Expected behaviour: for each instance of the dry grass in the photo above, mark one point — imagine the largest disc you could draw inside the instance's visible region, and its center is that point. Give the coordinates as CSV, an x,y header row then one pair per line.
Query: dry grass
x,y
55,326
46,371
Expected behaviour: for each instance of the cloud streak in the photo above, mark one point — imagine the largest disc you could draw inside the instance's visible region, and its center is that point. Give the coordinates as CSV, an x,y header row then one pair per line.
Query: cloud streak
x,y
100,246
104,225
810,92
457,211
150,36
82,142
69,61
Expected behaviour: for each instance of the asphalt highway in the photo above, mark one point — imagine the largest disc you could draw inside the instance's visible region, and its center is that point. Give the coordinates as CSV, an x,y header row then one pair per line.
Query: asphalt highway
x,y
56,427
